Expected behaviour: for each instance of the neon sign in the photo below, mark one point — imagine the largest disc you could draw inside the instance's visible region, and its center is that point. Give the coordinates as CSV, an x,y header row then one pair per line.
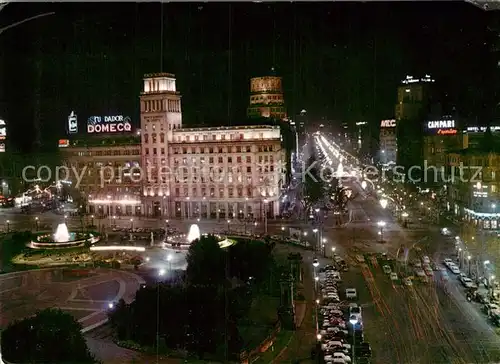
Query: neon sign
x,y
441,124
447,131
108,124
388,123
72,123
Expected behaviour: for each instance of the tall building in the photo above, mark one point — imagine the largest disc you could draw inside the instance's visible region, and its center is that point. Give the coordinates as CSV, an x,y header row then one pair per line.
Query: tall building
x,y
266,98
412,108
220,172
388,146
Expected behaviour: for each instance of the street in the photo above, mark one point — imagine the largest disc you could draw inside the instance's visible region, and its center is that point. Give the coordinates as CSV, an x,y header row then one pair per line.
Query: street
x,y
423,323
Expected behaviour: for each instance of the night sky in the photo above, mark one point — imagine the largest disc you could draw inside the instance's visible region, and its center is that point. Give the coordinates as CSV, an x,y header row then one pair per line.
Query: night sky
x,y
340,61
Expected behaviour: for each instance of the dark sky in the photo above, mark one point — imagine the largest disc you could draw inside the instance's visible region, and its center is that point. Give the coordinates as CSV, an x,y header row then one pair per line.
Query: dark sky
x,y
342,61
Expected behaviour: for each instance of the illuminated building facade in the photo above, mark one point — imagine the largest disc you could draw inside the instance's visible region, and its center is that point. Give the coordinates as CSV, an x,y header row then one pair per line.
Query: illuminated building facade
x,y
388,142
266,98
220,172
441,137
412,108
105,170
473,177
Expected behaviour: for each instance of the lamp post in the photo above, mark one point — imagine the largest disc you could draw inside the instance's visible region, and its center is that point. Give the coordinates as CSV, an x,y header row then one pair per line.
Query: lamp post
x,y
333,251
405,219
92,220
282,233
315,265
492,285
36,223
381,225
354,321
460,260
132,224
468,263
315,231
323,243
228,226
8,225
265,216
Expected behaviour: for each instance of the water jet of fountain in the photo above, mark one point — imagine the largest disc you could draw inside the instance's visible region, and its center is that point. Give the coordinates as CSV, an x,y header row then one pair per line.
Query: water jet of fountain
x,y
194,233
62,233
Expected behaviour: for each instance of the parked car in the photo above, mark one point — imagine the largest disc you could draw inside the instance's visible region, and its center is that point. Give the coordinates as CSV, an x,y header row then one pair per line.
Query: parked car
x,y
351,293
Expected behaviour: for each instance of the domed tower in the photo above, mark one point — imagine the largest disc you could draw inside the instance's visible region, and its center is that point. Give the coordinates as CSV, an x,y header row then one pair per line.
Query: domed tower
x,y
266,98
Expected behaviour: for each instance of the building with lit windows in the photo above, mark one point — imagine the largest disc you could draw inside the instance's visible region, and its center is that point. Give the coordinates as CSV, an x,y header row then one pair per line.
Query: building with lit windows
x,y
266,98
219,172
109,168
412,108
388,146
473,182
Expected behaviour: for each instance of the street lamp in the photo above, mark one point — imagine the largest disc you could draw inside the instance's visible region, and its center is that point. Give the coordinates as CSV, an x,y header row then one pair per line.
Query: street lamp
x,y
8,225
132,224
265,216
405,218
169,260
381,225
354,321
36,223
92,220
492,285
282,233
228,228
468,263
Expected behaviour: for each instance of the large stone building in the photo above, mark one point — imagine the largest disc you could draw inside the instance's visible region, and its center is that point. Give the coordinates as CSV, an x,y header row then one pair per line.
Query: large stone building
x,y
220,172
171,171
473,181
106,171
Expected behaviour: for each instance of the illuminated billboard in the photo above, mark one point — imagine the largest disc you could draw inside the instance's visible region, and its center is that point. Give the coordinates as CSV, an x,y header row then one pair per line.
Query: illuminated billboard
x,y
388,123
442,127
108,124
3,130
72,123
63,143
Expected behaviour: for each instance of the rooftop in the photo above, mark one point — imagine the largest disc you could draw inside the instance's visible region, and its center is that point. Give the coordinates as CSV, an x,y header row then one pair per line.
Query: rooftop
x,y
113,141
159,74
229,128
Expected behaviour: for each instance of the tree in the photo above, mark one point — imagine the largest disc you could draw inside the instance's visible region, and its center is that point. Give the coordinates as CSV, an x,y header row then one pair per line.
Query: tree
x,y
206,262
51,336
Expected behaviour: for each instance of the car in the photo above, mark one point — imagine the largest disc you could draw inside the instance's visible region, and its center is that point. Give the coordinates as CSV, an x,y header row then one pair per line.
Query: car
x,y
355,310
387,269
447,261
337,355
420,272
408,282
426,260
445,231
445,276
467,282
351,293
360,258
394,276
461,276
454,269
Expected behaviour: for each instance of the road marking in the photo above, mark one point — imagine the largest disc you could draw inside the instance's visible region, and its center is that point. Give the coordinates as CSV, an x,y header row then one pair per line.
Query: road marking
x,y
95,313
77,309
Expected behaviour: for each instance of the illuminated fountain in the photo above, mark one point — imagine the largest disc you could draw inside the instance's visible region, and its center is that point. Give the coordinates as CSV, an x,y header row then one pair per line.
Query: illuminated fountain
x,y
62,238
194,233
62,234
182,242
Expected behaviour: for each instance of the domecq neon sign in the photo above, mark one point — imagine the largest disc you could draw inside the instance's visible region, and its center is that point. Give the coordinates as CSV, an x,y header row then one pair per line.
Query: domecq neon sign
x,y
108,124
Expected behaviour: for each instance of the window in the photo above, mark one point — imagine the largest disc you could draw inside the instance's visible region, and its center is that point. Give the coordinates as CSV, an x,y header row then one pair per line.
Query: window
x,y
220,160
249,169
147,151
221,191
220,150
248,149
154,151
162,138
146,138
238,159
238,149
230,192
249,159
162,151
229,159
